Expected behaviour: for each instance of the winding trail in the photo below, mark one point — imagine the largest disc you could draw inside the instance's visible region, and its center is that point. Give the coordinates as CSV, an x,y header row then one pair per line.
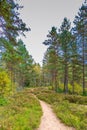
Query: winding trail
x,y
49,120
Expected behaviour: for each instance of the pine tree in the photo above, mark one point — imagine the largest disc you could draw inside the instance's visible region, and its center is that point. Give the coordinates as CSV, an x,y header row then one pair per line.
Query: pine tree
x,y
75,65
81,31
52,54
65,39
11,24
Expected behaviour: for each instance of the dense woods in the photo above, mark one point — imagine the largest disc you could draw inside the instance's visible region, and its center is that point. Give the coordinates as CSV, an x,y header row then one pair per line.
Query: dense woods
x,y
17,67
65,61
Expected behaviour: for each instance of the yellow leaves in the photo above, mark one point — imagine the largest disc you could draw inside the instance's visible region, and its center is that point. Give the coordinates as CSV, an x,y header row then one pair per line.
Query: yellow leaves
x,y
4,82
37,69
4,79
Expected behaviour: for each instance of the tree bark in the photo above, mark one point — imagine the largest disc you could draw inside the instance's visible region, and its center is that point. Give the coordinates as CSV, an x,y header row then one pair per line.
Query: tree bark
x,y
66,78
83,67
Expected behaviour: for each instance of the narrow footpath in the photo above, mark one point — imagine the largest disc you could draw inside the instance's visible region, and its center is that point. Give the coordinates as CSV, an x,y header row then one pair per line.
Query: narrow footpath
x,y
49,120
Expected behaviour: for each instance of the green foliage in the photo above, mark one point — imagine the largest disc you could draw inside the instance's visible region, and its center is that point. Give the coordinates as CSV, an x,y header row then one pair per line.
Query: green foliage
x,y
50,63
76,99
71,115
15,56
22,113
69,63
77,88
3,101
13,25
81,36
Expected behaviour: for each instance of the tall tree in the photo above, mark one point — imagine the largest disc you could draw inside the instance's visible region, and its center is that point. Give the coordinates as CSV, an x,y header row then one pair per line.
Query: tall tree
x,y
11,26
75,64
65,39
81,31
19,63
52,52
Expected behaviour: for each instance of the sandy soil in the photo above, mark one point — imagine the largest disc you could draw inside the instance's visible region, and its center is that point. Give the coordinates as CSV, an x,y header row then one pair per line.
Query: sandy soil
x,y
49,120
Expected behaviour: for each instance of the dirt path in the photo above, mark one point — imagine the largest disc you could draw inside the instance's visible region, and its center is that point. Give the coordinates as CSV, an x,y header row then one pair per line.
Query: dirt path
x,y
49,120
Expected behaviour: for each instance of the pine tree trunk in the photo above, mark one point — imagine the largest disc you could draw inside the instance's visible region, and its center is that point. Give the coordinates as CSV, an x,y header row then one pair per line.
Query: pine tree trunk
x,y
55,81
73,74
66,79
83,68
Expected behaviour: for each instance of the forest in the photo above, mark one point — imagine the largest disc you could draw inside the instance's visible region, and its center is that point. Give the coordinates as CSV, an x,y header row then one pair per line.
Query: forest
x,y
61,80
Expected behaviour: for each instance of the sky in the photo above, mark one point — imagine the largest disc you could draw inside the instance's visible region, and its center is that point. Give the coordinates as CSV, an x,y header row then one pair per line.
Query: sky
x,y
40,16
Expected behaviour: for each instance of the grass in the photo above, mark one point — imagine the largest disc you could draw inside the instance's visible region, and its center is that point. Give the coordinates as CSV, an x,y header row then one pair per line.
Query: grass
x,y
71,109
20,112
3,101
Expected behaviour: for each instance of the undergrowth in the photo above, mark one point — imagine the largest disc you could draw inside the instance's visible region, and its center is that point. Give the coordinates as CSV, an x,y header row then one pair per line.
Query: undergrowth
x,y
21,112
71,109
3,101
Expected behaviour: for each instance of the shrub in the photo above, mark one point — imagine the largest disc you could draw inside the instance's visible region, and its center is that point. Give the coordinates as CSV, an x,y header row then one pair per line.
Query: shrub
x,y
3,101
5,83
77,88
76,99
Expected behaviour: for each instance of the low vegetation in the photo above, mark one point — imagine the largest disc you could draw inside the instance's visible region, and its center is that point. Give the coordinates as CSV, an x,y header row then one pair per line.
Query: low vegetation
x,y
71,109
20,112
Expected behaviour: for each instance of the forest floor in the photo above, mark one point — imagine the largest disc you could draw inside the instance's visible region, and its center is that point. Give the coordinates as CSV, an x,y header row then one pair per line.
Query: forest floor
x,y
49,120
